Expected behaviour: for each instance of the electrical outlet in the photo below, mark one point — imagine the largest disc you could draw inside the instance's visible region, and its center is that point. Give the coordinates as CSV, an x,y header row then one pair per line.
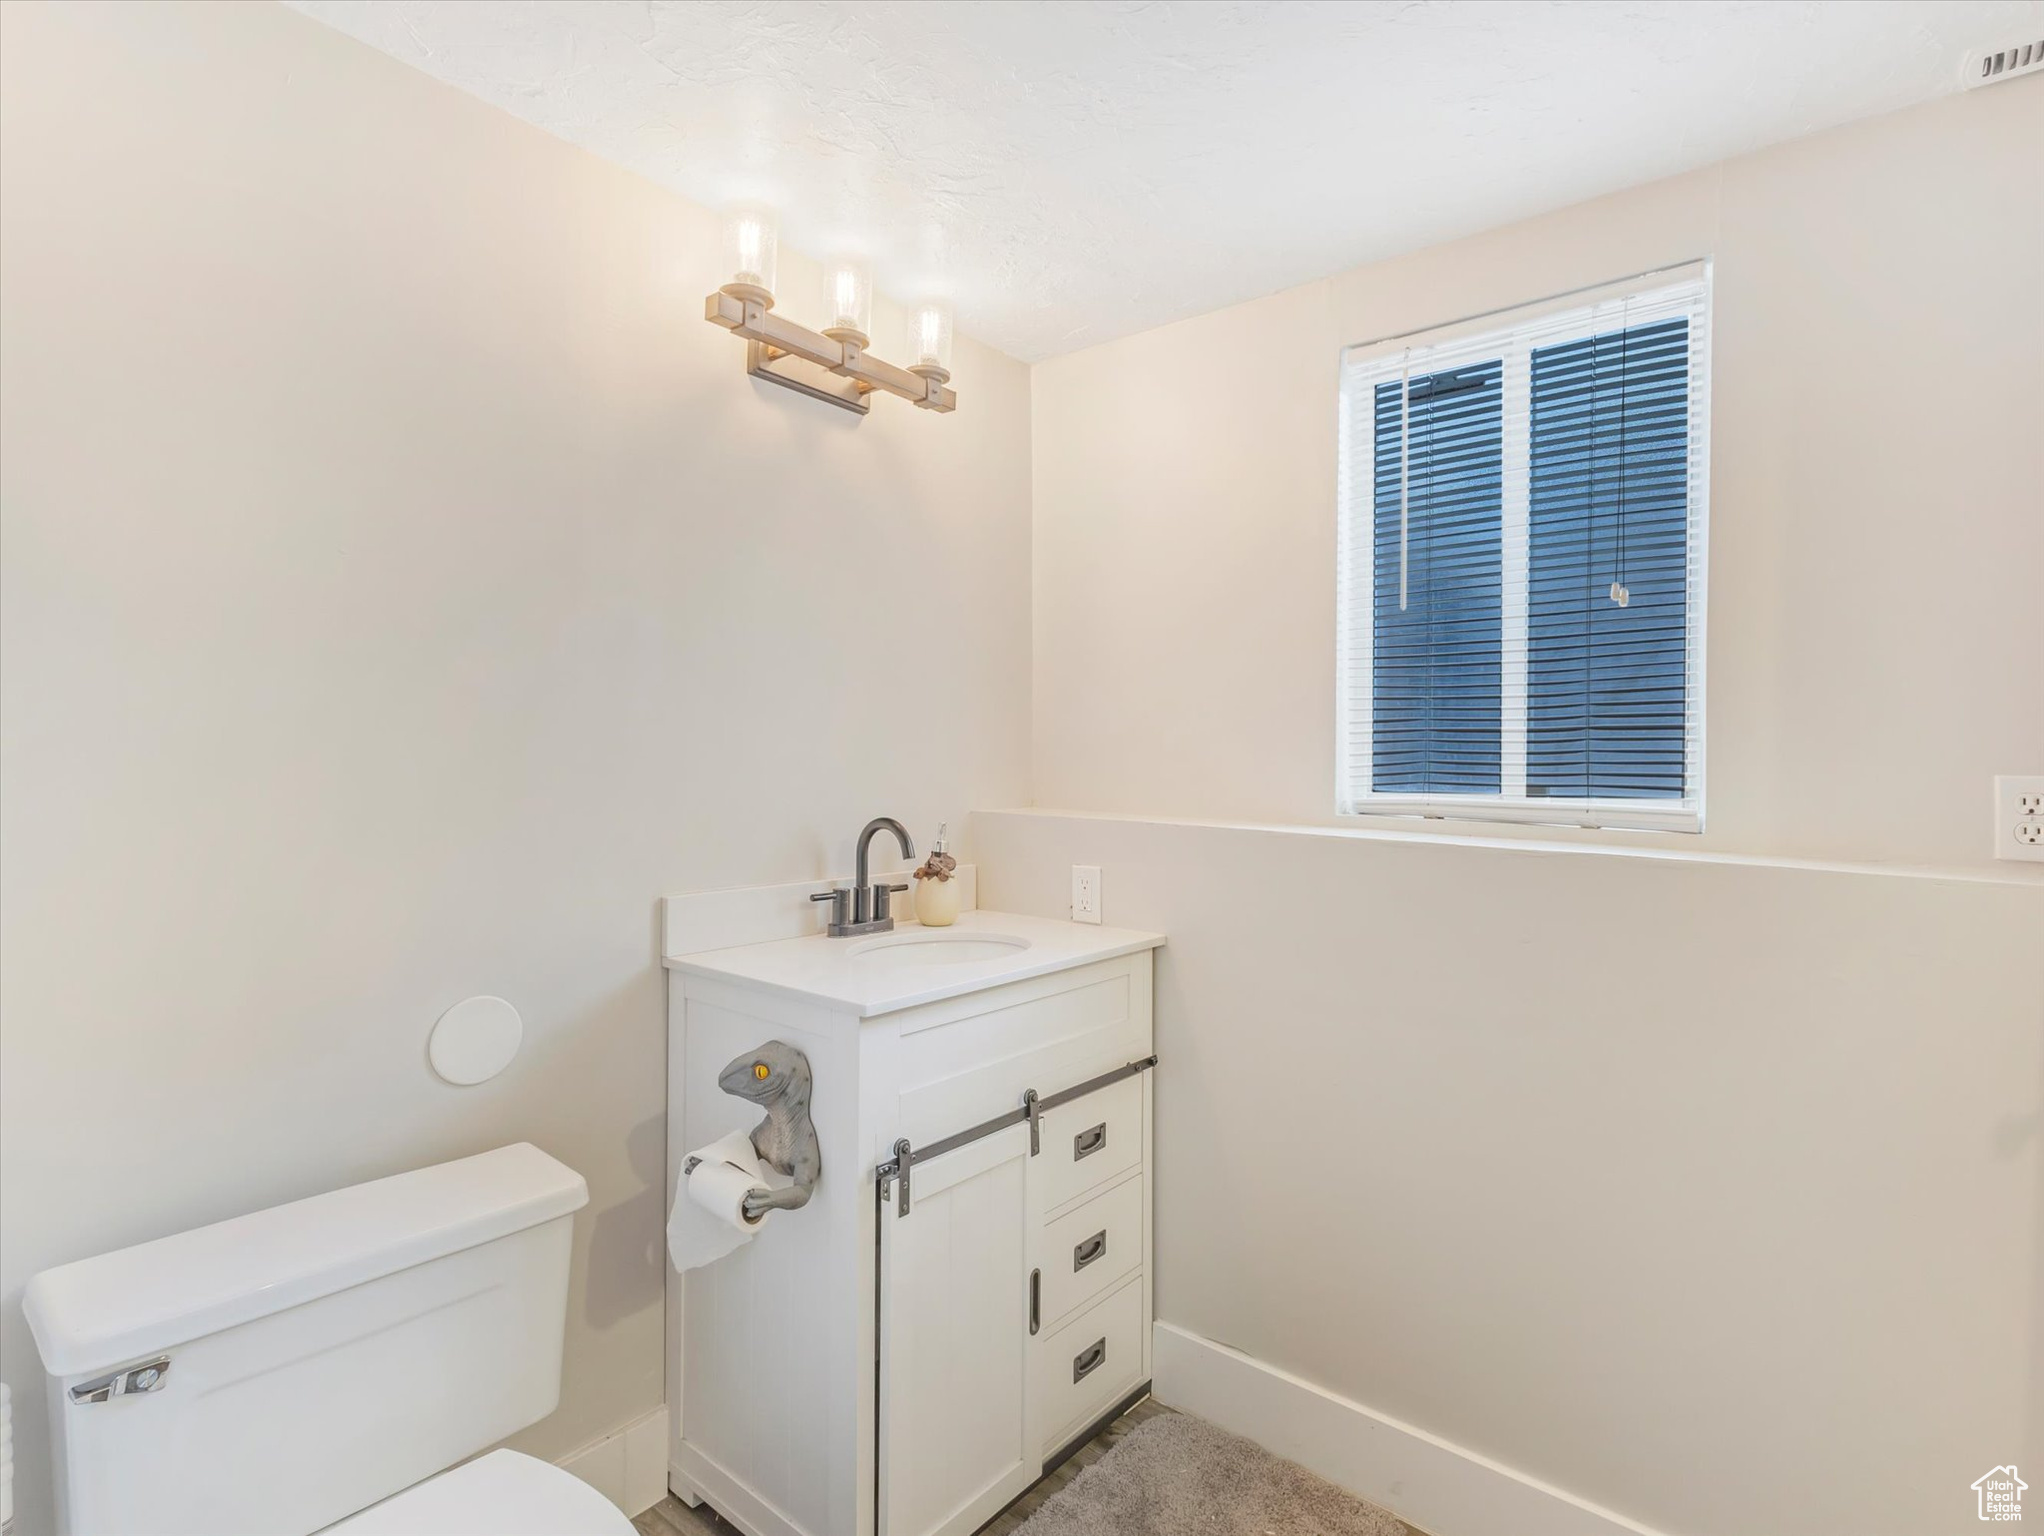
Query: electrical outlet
x,y
1086,892
2019,816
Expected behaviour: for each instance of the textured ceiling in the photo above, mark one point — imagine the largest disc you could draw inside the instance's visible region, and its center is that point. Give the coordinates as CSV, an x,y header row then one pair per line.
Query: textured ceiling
x,y
1074,172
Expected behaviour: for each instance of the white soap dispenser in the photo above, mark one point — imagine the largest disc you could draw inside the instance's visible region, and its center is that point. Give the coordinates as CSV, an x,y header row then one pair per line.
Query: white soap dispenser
x,y
937,886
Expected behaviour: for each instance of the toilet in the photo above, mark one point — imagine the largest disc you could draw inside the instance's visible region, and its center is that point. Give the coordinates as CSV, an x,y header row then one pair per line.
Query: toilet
x,y
320,1366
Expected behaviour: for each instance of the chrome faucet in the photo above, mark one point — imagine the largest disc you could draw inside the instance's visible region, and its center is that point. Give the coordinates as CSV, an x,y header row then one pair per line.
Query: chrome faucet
x,y
866,908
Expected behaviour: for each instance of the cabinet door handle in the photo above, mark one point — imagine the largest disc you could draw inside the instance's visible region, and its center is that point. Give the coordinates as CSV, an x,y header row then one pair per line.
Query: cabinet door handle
x,y
1035,1300
1095,1247
1089,1360
1086,1143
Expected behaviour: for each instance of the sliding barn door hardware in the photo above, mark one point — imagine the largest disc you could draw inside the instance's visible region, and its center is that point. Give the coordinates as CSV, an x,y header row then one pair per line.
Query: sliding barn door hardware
x,y
1030,1112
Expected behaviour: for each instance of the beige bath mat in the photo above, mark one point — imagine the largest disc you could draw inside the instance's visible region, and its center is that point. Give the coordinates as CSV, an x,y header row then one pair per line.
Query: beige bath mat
x,y
1180,1476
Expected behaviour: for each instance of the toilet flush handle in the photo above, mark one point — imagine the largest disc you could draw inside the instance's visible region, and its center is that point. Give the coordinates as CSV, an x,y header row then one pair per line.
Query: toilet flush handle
x,y
147,1377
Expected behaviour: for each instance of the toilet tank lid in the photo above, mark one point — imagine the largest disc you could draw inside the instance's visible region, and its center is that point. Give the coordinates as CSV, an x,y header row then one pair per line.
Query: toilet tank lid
x,y
103,1312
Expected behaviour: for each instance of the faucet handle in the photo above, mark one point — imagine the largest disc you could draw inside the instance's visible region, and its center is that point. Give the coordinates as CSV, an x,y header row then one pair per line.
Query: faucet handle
x,y
883,905
840,899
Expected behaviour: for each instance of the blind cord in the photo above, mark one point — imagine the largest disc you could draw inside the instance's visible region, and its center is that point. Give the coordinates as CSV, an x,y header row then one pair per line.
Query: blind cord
x,y
1404,464
1620,593
1590,555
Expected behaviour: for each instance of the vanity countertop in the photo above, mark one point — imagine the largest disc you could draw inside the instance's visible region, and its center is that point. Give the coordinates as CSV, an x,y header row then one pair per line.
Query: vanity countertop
x,y
880,973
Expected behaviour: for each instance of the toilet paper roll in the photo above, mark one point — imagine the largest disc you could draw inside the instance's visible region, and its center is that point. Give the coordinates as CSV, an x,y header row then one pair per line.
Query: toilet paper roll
x,y
720,1188
708,1219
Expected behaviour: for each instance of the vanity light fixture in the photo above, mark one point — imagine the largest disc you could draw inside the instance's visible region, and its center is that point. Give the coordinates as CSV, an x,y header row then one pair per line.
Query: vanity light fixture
x,y
851,304
930,340
832,364
751,249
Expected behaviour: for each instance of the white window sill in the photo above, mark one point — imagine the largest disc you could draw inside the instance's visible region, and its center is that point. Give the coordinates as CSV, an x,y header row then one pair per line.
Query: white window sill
x,y
1600,815
1386,829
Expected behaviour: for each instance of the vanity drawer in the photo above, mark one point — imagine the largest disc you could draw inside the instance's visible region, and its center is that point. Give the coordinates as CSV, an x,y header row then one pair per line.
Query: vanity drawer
x,y
1086,1250
1088,1141
1089,1364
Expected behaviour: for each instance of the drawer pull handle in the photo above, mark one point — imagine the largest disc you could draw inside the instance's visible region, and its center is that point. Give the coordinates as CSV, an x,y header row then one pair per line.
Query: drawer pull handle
x,y
1089,1360
1095,1247
1086,1143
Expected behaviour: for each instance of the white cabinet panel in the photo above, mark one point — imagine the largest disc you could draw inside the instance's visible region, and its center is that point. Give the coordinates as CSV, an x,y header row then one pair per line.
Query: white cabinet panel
x,y
1089,1141
956,1069
1085,1367
1087,1249
955,1441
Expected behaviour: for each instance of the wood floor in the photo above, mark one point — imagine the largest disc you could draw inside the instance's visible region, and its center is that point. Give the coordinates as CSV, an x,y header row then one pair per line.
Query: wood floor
x,y
671,1517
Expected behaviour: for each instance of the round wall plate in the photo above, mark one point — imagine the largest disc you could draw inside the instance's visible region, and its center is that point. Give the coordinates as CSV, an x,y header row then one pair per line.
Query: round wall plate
x,y
475,1040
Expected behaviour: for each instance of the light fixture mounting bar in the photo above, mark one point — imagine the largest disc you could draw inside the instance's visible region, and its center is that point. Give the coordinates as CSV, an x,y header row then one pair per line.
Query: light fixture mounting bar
x,y
791,355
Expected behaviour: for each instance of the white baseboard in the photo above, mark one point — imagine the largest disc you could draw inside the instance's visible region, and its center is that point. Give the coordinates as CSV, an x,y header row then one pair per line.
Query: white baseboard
x,y
628,1466
1441,1488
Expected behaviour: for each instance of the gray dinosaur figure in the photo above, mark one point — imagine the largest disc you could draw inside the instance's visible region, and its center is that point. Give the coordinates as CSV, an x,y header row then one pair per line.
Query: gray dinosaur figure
x,y
777,1076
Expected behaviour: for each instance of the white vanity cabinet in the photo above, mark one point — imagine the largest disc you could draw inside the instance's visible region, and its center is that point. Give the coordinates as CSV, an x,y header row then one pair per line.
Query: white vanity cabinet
x,y
890,1362
1014,1296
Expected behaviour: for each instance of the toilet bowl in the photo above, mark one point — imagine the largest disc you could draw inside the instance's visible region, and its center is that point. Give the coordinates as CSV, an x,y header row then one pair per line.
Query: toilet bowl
x,y
501,1494
319,1366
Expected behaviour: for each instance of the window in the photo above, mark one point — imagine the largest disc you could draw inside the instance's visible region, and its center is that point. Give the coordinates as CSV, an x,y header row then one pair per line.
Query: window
x,y
1522,508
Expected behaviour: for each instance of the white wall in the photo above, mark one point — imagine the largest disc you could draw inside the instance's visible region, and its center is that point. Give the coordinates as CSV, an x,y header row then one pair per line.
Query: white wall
x,y
1703,1189
1710,1192
1876,522
405,588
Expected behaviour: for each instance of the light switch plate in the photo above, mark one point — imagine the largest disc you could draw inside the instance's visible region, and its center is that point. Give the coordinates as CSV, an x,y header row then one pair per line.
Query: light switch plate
x,y
2019,816
1085,893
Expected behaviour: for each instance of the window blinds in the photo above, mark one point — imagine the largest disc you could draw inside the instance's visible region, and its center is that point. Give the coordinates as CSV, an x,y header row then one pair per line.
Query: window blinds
x,y
1438,609
1522,516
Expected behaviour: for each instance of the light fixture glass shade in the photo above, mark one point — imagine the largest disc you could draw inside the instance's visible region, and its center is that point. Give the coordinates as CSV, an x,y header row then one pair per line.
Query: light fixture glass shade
x,y
930,342
849,303
751,246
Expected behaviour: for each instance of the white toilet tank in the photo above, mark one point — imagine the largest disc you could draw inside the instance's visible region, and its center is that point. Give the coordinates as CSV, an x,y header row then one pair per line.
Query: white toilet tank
x,y
268,1375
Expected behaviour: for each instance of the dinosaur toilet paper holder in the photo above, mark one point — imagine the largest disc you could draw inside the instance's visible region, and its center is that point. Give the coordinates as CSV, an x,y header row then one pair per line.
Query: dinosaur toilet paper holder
x,y
776,1076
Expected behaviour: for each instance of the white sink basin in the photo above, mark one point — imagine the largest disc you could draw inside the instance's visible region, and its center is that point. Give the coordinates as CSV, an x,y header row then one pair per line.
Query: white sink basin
x,y
922,947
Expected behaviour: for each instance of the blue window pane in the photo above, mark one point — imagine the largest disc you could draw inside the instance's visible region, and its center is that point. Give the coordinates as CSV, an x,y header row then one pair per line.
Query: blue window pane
x,y
1609,503
1436,690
